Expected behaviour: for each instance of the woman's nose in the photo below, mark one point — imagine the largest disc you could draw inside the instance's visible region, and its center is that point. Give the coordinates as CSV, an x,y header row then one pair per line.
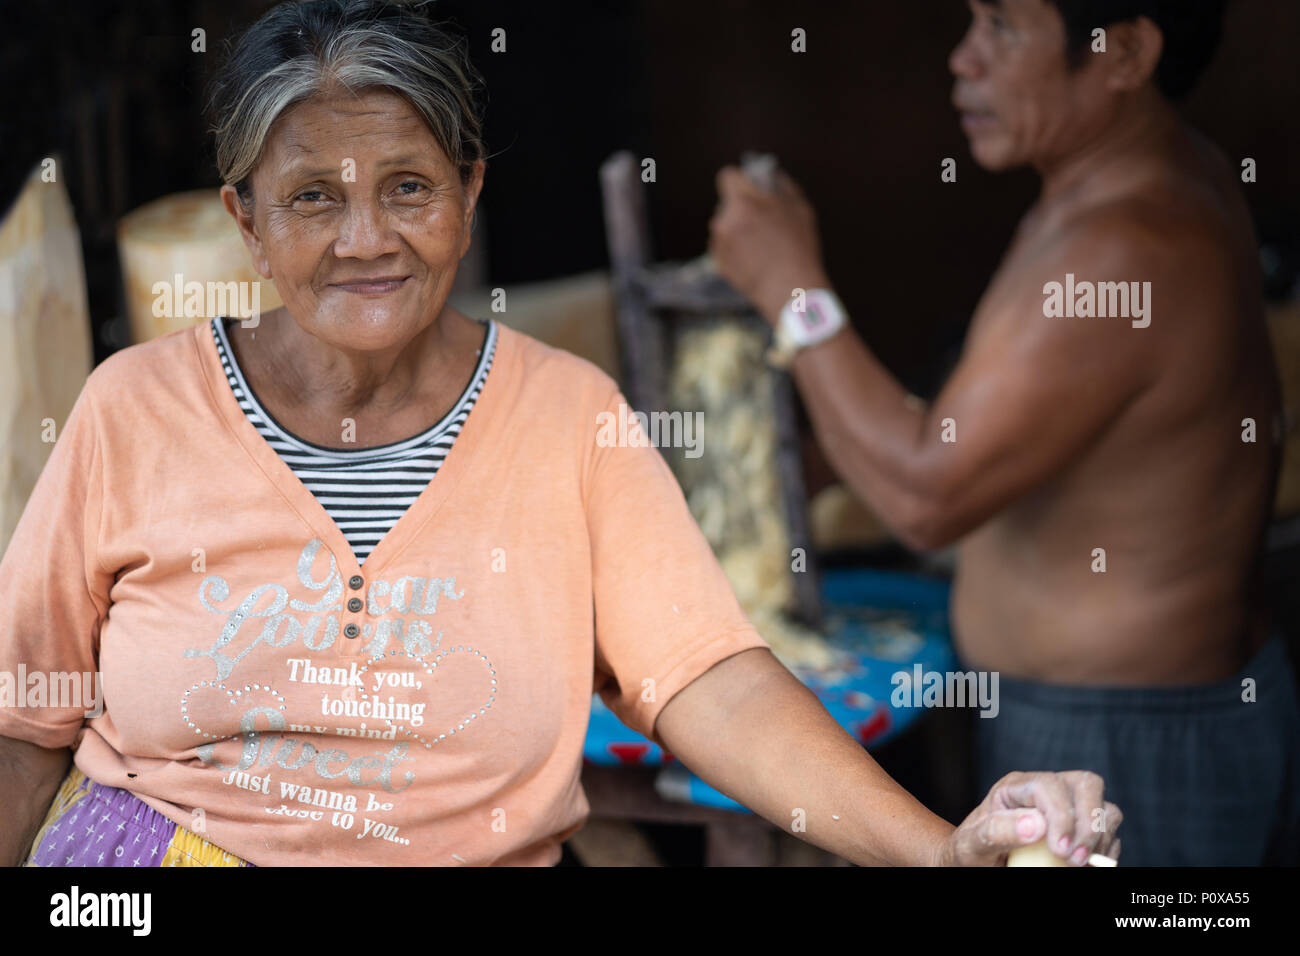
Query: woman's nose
x,y
365,233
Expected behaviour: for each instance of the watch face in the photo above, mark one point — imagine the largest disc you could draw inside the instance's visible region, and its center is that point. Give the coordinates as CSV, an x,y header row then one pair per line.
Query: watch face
x,y
814,318
817,316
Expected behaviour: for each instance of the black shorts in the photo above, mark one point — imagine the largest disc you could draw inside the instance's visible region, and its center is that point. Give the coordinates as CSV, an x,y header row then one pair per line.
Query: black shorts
x,y
1202,777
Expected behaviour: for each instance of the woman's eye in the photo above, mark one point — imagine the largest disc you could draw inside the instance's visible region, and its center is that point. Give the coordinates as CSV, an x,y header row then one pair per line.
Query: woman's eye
x,y
310,195
415,187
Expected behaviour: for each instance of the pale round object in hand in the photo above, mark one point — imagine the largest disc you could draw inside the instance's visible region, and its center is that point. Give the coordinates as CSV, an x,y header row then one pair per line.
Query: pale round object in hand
x,y
1037,854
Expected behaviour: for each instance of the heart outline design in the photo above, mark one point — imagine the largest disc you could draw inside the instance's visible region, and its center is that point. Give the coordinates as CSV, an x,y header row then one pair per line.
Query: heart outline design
x,y
235,698
429,668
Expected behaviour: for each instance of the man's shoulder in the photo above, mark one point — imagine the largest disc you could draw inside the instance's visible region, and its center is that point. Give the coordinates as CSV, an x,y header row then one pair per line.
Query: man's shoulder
x,y
1186,264
1157,229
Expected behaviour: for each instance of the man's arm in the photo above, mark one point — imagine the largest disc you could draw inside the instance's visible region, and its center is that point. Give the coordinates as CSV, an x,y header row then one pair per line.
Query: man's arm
x,y
750,729
1030,391
1024,401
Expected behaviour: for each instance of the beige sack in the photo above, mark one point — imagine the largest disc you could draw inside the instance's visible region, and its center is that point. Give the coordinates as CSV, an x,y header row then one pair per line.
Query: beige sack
x,y
45,339
191,236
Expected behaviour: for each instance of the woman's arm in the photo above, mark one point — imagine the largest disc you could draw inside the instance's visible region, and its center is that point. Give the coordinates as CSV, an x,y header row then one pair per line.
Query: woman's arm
x,y
749,728
30,777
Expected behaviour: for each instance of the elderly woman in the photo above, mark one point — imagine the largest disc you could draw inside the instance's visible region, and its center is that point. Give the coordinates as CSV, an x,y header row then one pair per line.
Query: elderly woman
x,y
351,574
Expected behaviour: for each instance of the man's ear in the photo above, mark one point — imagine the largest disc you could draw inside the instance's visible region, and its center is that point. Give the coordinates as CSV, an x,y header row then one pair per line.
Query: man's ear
x,y
244,220
1132,53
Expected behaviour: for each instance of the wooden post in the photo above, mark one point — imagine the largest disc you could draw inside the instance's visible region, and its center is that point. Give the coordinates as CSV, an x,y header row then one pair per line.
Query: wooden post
x,y
627,232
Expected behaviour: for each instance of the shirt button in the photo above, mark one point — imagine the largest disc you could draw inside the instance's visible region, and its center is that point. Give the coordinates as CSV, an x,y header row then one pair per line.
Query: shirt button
x,y
351,630
355,582
354,604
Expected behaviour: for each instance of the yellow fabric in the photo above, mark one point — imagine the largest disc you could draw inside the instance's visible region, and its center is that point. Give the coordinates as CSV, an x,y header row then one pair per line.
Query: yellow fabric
x,y
190,849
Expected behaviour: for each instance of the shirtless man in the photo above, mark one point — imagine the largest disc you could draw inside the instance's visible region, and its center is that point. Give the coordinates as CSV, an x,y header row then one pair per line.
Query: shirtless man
x,y
1097,473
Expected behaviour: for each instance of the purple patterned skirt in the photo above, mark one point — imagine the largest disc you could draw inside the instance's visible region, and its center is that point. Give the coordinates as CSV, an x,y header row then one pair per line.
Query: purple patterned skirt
x,y
89,824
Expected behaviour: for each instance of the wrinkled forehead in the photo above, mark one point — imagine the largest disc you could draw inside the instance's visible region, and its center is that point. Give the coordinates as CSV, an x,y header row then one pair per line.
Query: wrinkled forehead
x,y
337,114
378,121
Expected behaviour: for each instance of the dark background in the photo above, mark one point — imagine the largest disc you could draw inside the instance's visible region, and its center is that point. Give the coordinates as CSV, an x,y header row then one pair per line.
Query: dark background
x,y
862,120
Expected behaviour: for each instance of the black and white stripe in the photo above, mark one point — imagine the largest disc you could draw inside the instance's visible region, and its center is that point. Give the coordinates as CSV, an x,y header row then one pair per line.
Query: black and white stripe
x,y
365,490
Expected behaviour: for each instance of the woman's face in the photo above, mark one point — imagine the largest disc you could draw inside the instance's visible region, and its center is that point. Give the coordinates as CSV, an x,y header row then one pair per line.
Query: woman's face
x,y
359,217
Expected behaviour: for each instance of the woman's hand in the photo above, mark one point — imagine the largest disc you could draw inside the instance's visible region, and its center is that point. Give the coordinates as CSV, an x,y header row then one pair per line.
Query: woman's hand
x,y
30,777
1069,805
765,243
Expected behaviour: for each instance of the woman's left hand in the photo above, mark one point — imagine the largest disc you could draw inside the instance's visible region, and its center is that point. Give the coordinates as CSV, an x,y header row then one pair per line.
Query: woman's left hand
x,y
1069,806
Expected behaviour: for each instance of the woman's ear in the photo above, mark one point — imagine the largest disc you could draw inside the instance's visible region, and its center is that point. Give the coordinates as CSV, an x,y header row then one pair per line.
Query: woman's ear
x,y
472,190
1133,52
247,230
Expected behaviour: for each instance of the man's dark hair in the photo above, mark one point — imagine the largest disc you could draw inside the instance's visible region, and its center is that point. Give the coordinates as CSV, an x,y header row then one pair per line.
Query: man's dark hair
x,y
1191,29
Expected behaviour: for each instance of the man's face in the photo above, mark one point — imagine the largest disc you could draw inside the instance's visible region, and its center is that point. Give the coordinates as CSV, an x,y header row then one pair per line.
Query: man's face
x,y
1019,103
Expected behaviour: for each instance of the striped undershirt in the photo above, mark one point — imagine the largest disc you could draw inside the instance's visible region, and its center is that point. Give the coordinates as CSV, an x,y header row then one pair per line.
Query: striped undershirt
x,y
365,490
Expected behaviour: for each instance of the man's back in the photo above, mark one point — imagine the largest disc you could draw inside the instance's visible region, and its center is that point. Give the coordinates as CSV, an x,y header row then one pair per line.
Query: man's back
x,y
1131,564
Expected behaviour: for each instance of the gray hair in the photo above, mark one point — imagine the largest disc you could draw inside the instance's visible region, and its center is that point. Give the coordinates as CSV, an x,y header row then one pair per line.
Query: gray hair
x,y
297,50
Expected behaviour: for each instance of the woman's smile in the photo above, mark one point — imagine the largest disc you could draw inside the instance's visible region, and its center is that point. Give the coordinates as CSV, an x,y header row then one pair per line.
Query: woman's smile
x,y
371,287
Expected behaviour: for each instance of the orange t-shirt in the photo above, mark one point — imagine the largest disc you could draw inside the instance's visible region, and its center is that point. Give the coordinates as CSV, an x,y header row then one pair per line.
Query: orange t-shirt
x,y
167,546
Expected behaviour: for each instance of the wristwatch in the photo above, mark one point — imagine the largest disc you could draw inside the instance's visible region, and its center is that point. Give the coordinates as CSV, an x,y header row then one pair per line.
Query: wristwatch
x,y
821,316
